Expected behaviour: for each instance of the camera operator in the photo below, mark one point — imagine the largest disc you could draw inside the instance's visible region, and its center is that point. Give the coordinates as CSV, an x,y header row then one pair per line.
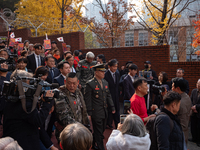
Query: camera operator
x,y
19,124
162,82
4,54
2,99
2,44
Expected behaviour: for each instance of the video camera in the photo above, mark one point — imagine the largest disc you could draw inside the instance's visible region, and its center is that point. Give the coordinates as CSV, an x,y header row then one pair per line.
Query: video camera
x,y
18,90
10,62
159,89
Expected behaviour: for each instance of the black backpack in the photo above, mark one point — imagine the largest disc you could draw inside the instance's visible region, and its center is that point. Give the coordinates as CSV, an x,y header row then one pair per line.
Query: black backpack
x,y
150,126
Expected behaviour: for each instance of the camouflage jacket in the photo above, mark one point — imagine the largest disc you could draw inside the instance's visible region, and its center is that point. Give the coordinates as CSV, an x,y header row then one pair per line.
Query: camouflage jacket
x,y
70,107
85,71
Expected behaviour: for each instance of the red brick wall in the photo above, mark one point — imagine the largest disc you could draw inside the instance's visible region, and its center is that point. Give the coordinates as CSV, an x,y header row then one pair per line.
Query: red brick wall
x,y
159,57
75,39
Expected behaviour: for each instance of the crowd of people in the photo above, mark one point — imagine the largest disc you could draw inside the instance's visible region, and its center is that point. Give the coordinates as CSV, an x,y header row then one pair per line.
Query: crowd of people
x,y
87,101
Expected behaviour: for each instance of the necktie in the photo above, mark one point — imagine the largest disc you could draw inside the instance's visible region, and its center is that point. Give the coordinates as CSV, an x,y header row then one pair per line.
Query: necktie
x,y
114,77
101,84
38,59
52,73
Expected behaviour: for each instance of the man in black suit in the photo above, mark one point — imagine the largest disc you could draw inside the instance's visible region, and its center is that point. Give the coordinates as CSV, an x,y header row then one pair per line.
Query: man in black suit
x,y
128,82
22,126
64,68
35,60
195,117
53,72
112,77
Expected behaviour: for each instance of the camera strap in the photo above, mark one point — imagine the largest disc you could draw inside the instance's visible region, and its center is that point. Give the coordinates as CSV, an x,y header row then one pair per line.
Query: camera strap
x,y
22,96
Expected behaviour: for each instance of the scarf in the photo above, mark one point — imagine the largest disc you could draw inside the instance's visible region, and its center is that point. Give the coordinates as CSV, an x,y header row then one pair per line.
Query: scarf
x,y
56,56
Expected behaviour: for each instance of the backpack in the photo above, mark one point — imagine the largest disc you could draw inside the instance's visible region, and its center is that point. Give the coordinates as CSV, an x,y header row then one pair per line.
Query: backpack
x,y
150,126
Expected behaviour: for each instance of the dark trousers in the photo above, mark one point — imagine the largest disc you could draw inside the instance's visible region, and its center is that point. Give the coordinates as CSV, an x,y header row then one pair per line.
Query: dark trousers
x,y
111,117
99,126
195,128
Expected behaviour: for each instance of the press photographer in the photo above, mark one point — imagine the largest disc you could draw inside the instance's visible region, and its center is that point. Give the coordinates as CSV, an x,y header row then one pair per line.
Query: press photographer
x,y
22,119
8,59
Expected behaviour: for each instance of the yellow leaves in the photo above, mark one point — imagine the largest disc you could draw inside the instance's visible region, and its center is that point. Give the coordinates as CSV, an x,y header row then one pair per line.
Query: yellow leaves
x,y
33,13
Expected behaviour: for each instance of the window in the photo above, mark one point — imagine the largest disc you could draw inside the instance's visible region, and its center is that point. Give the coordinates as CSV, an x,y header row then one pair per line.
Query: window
x,y
143,39
190,50
129,39
173,37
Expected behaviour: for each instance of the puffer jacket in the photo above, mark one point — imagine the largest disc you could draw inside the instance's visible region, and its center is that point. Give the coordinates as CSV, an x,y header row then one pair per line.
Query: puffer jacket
x,y
167,140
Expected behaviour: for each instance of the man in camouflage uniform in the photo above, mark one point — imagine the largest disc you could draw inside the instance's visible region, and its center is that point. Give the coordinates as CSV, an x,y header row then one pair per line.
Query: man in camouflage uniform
x,y
85,71
97,99
70,106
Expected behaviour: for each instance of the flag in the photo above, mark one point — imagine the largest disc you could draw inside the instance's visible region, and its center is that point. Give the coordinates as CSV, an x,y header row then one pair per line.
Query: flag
x,y
60,39
12,35
18,39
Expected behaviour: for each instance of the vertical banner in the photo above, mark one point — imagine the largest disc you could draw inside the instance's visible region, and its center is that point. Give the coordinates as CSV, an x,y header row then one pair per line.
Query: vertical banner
x,y
47,44
64,46
12,42
20,46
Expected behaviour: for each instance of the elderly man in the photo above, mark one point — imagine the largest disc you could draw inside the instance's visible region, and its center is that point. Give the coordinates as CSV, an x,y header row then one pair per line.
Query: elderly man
x,y
70,106
85,71
195,117
97,98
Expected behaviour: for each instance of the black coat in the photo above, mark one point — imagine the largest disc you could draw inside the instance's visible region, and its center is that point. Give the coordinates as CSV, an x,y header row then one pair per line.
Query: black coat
x,y
49,77
195,101
166,139
113,87
32,62
59,79
128,88
23,127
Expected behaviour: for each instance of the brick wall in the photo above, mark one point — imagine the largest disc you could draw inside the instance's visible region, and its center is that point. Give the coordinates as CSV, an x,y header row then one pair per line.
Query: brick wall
x,y
159,57
74,39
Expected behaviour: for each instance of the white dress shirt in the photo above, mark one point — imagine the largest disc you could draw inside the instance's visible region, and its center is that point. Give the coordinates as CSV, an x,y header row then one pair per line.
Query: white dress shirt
x,y
132,78
72,70
36,60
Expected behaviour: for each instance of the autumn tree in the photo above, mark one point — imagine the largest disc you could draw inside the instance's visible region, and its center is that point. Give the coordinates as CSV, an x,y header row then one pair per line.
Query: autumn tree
x,y
157,16
45,16
113,13
196,40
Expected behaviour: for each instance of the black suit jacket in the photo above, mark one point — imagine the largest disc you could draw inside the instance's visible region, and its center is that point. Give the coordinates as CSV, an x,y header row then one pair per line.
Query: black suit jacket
x,y
128,88
113,87
49,77
59,79
195,101
32,62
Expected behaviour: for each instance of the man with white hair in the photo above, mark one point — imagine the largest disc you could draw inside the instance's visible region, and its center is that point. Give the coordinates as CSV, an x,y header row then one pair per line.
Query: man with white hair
x,y
85,71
